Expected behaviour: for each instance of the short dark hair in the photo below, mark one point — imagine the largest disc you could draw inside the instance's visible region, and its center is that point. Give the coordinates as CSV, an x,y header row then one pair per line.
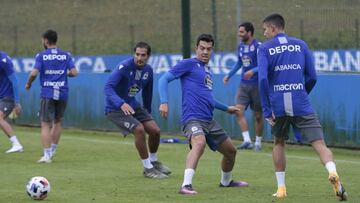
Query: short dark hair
x,y
145,45
249,27
275,19
206,38
50,35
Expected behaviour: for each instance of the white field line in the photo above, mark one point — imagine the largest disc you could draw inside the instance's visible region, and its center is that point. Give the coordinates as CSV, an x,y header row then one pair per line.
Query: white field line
x,y
170,145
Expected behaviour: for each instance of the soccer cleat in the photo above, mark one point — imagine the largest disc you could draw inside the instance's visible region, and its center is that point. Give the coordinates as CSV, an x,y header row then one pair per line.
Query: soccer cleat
x,y
235,184
257,147
44,159
245,145
187,190
338,187
15,148
161,167
280,193
153,173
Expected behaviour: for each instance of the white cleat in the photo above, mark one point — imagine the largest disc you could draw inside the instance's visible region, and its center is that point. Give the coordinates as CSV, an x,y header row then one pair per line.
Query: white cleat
x,y
15,148
44,159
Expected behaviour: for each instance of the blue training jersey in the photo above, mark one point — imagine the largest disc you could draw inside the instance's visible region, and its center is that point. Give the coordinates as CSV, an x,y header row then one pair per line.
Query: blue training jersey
x,y
196,85
6,69
286,76
126,80
53,64
247,60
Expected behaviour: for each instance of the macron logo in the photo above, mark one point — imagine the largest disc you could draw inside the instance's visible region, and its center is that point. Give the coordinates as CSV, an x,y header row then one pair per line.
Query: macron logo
x,y
288,87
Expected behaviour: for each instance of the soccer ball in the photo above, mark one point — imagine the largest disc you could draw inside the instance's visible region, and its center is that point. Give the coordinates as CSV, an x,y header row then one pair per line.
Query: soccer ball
x,y
38,188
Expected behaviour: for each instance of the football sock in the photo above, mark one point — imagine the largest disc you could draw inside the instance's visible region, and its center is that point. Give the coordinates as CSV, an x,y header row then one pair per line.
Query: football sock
x,y
147,163
14,139
47,153
53,148
258,140
225,178
330,167
280,178
188,175
153,157
246,136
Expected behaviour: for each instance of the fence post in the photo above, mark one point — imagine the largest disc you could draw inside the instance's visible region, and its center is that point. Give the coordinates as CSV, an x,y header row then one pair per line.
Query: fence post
x,y
73,37
214,24
357,33
15,51
132,37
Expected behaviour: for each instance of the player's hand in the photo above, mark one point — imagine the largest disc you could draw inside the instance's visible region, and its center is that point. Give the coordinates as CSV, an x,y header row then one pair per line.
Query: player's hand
x,y
271,120
164,110
248,74
17,109
27,86
127,109
232,109
226,80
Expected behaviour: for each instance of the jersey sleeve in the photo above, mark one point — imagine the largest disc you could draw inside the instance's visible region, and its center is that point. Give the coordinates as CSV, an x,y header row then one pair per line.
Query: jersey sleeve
x,y
181,68
147,92
70,64
310,72
111,84
263,82
7,65
38,62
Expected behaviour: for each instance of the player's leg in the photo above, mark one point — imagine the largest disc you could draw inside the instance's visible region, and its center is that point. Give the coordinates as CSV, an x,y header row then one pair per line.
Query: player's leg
x,y
193,130
47,116
6,106
256,107
228,150
60,107
153,131
129,124
280,133
242,101
311,131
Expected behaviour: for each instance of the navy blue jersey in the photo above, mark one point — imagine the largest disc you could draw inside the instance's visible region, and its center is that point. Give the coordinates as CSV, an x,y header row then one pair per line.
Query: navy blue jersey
x,y
247,60
6,69
286,76
53,64
196,85
126,80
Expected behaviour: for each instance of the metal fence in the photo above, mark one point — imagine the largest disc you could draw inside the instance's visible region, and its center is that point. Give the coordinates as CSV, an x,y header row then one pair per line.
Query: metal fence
x,y
89,27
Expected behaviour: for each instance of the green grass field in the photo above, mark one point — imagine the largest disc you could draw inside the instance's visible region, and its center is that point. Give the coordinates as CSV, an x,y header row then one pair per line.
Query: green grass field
x,y
104,167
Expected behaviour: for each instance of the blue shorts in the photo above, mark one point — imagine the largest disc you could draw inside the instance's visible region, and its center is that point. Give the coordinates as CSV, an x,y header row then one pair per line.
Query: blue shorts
x,y
213,132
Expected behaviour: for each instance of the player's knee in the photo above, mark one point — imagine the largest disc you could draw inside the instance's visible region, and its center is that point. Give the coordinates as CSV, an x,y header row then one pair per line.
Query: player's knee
x,y
198,145
156,131
139,130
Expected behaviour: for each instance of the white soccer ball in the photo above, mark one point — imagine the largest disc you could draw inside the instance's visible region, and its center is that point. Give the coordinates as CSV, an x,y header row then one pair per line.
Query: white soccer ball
x,y
38,188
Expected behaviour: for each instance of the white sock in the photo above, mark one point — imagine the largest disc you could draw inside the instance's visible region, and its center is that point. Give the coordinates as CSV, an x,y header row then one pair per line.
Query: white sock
x,y
280,177
258,140
14,139
47,153
225,178
188,175
147,163
330,167
53,148
153,157
246,136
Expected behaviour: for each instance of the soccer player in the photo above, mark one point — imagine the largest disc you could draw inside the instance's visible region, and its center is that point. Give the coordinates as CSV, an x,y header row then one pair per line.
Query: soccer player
x,y
54,66
9,99
198,104
121,107
248,92
286,77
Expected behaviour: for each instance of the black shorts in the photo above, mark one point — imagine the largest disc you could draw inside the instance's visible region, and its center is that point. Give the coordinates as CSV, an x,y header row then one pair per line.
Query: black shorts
x,y
248,95
309,126
127,123
51,109
7,104
213,132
